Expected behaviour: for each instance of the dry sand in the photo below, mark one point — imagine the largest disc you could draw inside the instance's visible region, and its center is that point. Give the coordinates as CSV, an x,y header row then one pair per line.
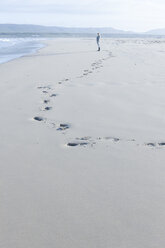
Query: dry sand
x,y
108,188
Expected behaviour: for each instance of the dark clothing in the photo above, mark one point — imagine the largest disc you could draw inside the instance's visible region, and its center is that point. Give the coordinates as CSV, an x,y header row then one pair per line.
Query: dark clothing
x,y
98,42
98,38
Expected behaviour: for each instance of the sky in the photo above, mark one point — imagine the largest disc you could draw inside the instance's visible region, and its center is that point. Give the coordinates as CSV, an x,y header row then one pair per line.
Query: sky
x,y
134,15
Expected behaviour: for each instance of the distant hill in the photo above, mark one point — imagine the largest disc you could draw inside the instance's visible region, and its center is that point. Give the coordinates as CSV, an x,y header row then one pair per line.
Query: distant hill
x,y
157,31
23,28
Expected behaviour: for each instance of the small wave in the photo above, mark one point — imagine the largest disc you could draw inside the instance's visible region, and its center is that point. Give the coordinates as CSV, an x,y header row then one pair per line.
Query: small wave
x,y
11,48
5,40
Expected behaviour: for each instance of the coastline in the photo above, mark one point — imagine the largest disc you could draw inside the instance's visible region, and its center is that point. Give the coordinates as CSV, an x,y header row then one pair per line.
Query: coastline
x,y
90,173
15,53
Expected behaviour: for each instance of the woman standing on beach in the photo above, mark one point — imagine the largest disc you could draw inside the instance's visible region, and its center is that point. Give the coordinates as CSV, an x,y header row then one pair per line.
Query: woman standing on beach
x,y
98,41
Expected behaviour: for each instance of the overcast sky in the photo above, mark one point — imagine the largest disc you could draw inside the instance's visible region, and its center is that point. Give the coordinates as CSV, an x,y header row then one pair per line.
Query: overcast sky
x,y
135,15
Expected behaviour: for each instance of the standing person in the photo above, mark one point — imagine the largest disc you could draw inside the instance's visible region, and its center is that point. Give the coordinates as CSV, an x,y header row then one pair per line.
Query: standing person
x,y
98,41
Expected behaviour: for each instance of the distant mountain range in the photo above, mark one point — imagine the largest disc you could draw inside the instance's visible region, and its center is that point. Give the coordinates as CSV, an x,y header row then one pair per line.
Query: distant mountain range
x,y
160,31
26,28
22,28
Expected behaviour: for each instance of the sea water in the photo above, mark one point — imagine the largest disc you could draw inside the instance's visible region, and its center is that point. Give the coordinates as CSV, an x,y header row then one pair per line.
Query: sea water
x,y
12,48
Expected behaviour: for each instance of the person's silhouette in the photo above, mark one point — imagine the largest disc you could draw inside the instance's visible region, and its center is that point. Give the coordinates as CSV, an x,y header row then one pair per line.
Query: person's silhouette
x,y
98,41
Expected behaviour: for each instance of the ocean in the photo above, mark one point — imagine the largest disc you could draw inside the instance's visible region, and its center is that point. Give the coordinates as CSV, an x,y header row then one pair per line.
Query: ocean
x,y
16,47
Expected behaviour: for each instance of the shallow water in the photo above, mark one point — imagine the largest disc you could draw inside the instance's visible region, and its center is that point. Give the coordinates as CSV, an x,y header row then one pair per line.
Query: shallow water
x,y
12,48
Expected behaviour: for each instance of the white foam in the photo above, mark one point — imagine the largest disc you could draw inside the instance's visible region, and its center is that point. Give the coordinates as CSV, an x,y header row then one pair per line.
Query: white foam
x,y
11,48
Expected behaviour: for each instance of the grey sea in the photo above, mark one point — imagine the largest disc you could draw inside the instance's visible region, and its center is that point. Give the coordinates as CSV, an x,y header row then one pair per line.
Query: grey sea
x,y
15,47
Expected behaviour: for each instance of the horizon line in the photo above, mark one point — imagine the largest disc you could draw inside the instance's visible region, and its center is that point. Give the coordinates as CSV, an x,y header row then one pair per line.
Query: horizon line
x,y
82,27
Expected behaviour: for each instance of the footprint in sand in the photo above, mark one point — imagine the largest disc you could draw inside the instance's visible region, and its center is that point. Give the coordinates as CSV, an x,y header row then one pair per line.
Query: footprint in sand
x,y
53,95
154,144
44,87
83,141
64,80
112,138
63,126
46,101
151,144
77,144
161,144
84,138
38,118
47,108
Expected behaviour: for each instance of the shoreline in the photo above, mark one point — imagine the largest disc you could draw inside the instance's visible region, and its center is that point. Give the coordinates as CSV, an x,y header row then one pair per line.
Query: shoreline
x,y
41,45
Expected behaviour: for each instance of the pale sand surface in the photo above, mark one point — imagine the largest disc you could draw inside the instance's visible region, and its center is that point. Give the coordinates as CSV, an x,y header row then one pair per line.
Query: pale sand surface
x,y
108,193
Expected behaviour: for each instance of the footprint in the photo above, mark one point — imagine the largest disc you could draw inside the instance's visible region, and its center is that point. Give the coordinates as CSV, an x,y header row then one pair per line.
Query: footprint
x,y
48,108
46,101
44,91
53,95
161,144
38,118
112,138
77,144
84,138
72,144
151,144
66,79
44,87
63,126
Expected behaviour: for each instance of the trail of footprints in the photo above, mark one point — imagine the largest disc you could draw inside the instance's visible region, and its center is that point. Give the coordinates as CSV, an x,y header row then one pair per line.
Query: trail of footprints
x,y
95,65
89,141
47,91
84,141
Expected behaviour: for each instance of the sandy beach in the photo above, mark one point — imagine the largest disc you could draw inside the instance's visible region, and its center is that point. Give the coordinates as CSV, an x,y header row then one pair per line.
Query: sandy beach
x,y
82,145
